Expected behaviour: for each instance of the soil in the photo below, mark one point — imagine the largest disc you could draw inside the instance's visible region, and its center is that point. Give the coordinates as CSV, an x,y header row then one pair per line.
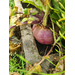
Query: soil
x,y
17,32
42,49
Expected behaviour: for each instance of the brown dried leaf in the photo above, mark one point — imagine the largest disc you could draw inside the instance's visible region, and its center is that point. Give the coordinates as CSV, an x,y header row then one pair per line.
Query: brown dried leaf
x,y
45,2
13,20
18,23
10,34
34,68
14,73
45,57
61,65
14,47
9,57
10,11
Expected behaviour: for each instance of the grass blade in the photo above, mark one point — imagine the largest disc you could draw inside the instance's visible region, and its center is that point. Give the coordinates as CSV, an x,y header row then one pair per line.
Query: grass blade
x,y
22,58
50,61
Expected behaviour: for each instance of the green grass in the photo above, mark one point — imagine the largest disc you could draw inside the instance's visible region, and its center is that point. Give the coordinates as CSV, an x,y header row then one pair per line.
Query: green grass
x,y
11,3
17,64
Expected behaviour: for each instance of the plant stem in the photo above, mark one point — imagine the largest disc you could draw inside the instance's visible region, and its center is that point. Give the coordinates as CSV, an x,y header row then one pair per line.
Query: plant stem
x,y
53,29
12,27
46,15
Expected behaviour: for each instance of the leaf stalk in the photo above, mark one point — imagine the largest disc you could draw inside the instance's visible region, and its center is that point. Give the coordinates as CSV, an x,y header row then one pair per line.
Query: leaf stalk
x,y
46,14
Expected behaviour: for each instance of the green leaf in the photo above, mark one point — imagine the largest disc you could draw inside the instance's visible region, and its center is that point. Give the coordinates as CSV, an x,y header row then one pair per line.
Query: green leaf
x,y
34,13
63,2
24,19
63,15
50,61
26,11
37,3
30,18
55,16
58,24
11,3
61,35
55,4
59,51
61,5
61,19
22,58
62,43
62,58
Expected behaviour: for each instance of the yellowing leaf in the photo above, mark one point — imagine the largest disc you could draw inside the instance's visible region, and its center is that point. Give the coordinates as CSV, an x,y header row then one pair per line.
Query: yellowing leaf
x,y
61,35
61,19
26,11
29,22
15,9
60,65
10,34
34,68
9,57
14,47
24,19
14,73
30,18
38,69
18,23
45,2
58,24
10,11
45,57
12,20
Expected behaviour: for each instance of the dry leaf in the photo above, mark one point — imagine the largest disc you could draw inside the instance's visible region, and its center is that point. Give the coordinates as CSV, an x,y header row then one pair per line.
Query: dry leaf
x,y
13,19
60,66
45,2
10,34
9,57
45,57
14,73
10,11
34,68
15,9
14,47
29,22
18,23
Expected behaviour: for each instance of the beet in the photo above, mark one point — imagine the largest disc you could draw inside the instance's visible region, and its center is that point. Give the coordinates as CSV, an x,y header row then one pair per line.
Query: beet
x,y
40,31
42,34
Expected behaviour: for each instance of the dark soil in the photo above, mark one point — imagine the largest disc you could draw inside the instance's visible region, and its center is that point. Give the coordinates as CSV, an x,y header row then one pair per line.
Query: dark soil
x,y
17,32
42,49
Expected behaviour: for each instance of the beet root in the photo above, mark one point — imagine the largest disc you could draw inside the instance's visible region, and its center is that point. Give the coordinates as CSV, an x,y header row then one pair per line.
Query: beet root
x,y
42,34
